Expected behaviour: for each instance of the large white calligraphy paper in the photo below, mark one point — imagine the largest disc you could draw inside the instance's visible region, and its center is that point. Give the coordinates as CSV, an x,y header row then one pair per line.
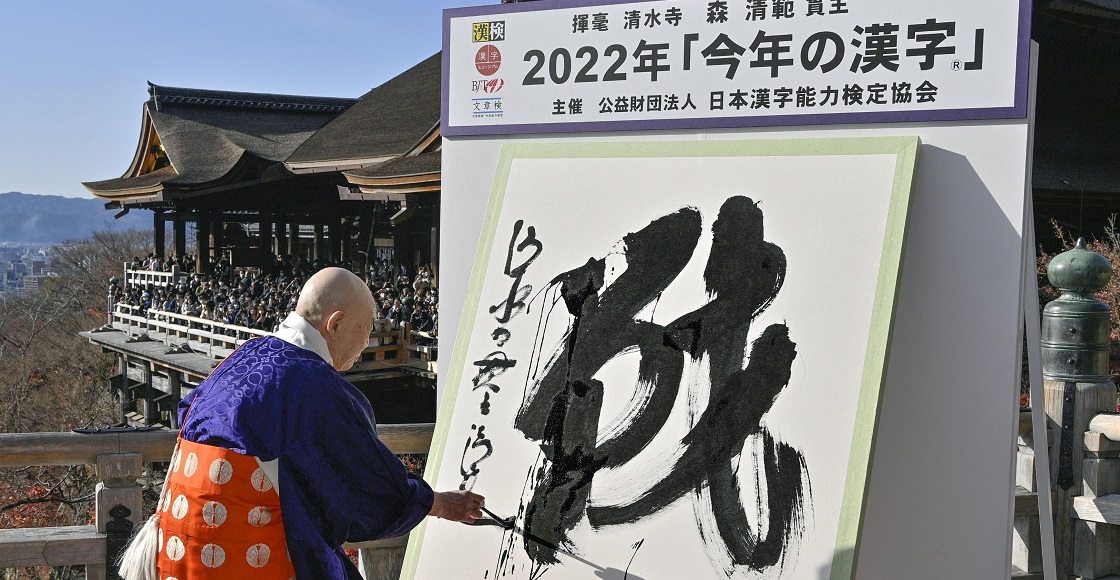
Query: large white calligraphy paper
x,y
671,360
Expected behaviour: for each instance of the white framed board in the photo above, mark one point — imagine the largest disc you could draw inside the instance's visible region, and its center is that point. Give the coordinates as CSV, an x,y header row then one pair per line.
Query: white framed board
x,y
634,383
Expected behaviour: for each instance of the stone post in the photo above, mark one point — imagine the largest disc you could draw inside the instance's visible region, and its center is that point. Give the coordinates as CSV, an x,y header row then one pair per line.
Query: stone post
x,y
1075,340
118,473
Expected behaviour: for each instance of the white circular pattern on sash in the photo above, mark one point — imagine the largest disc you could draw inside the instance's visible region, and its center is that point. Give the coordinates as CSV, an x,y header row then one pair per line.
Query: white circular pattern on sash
x,y
191,466
220,471
175,548
214,513
257,555
175,461
259,516
160,536
213,555
260,481
179,508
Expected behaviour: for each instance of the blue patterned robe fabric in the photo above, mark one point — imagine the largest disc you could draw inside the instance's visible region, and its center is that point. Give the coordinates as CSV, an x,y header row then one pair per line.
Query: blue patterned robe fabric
x,y
337,481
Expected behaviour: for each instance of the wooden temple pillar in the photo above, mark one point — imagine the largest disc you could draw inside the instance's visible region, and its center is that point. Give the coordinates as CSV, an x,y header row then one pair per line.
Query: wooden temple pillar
x,y
317,247
179,229
293,238
365,236
333,238
435,243
280,235
217,228
264,233
347,244
159,232
202,243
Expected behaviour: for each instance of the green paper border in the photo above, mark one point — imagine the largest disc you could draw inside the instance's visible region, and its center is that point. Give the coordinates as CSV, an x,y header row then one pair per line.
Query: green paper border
x,y
905,149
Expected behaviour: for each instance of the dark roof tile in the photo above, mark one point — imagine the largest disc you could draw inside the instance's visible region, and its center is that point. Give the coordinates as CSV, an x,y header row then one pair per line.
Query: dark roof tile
x,y
422,164
388,120
206,134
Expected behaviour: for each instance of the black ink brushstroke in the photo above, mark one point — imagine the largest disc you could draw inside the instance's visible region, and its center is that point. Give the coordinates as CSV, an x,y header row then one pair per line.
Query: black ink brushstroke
x,y
490,367
742,277
479,440
515,301
605,326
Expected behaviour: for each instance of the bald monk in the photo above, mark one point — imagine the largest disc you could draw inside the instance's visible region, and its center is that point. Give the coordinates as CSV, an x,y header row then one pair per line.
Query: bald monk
x,y
280,463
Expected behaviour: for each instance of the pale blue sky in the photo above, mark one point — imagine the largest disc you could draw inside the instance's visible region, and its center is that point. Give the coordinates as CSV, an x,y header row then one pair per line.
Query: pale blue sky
x,y
73,73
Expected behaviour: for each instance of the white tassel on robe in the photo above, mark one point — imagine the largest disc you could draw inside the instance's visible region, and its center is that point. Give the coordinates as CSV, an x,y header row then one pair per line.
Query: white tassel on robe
x,y
139,560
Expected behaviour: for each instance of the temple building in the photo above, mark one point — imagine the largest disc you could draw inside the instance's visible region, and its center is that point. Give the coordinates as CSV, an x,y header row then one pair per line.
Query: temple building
x,y
250,180
247,176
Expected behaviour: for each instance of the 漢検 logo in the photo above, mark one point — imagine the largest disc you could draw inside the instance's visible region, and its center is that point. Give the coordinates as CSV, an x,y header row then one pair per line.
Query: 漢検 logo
x,y
488,60
488,31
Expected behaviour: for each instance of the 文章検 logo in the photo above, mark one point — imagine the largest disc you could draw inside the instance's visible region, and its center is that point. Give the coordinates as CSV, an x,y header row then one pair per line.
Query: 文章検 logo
x,y
487,86
488,31
488,60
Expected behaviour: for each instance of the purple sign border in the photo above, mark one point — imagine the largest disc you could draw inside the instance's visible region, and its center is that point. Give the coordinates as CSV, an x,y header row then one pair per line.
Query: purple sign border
x,y
1018,111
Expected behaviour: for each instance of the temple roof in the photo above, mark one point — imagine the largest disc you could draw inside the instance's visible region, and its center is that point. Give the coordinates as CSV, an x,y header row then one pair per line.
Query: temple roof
x,y
206,136
386,122
424,164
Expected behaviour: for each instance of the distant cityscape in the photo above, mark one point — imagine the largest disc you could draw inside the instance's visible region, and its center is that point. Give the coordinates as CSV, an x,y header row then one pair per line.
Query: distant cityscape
x,y
25,266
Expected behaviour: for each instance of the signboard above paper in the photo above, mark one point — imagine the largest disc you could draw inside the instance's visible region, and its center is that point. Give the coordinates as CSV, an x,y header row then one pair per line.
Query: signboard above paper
x,y
675,64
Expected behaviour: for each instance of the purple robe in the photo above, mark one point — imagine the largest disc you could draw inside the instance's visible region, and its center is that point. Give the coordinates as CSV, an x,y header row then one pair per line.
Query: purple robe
x,y
337,481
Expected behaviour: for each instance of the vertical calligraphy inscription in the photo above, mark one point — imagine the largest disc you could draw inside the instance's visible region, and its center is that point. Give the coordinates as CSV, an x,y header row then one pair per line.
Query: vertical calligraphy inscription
x,y
523,249
561,411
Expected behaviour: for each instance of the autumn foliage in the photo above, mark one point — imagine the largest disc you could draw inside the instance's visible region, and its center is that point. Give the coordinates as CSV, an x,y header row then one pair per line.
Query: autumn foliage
x,y
51,379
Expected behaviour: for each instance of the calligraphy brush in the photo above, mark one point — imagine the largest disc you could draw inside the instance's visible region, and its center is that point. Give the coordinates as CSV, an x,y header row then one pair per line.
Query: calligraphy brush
x,y
509,525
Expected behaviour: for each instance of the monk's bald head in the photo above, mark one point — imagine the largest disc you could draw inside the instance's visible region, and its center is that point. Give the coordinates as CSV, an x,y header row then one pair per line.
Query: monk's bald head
x,y
332,290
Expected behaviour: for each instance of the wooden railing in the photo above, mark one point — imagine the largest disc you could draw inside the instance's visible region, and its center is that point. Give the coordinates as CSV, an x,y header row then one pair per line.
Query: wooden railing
x,y
403,346
172,326
154,277
120,458
217,339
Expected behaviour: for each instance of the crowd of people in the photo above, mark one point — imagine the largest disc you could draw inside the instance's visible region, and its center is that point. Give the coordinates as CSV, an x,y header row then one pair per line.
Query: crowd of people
x,y
260,298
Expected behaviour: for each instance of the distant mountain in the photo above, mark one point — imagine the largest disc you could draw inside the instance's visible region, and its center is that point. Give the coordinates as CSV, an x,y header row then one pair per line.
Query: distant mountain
x,y
53,218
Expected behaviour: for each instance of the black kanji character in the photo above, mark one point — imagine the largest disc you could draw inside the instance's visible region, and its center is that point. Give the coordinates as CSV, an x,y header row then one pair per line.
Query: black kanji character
x,y
633,19
806,96
927,93
599,21
743,275
723,51
717,11
756,9
761,99
673,16
650,57
579,23
881,47
853,95
877,94
931,34
782,9
768,50
900,93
